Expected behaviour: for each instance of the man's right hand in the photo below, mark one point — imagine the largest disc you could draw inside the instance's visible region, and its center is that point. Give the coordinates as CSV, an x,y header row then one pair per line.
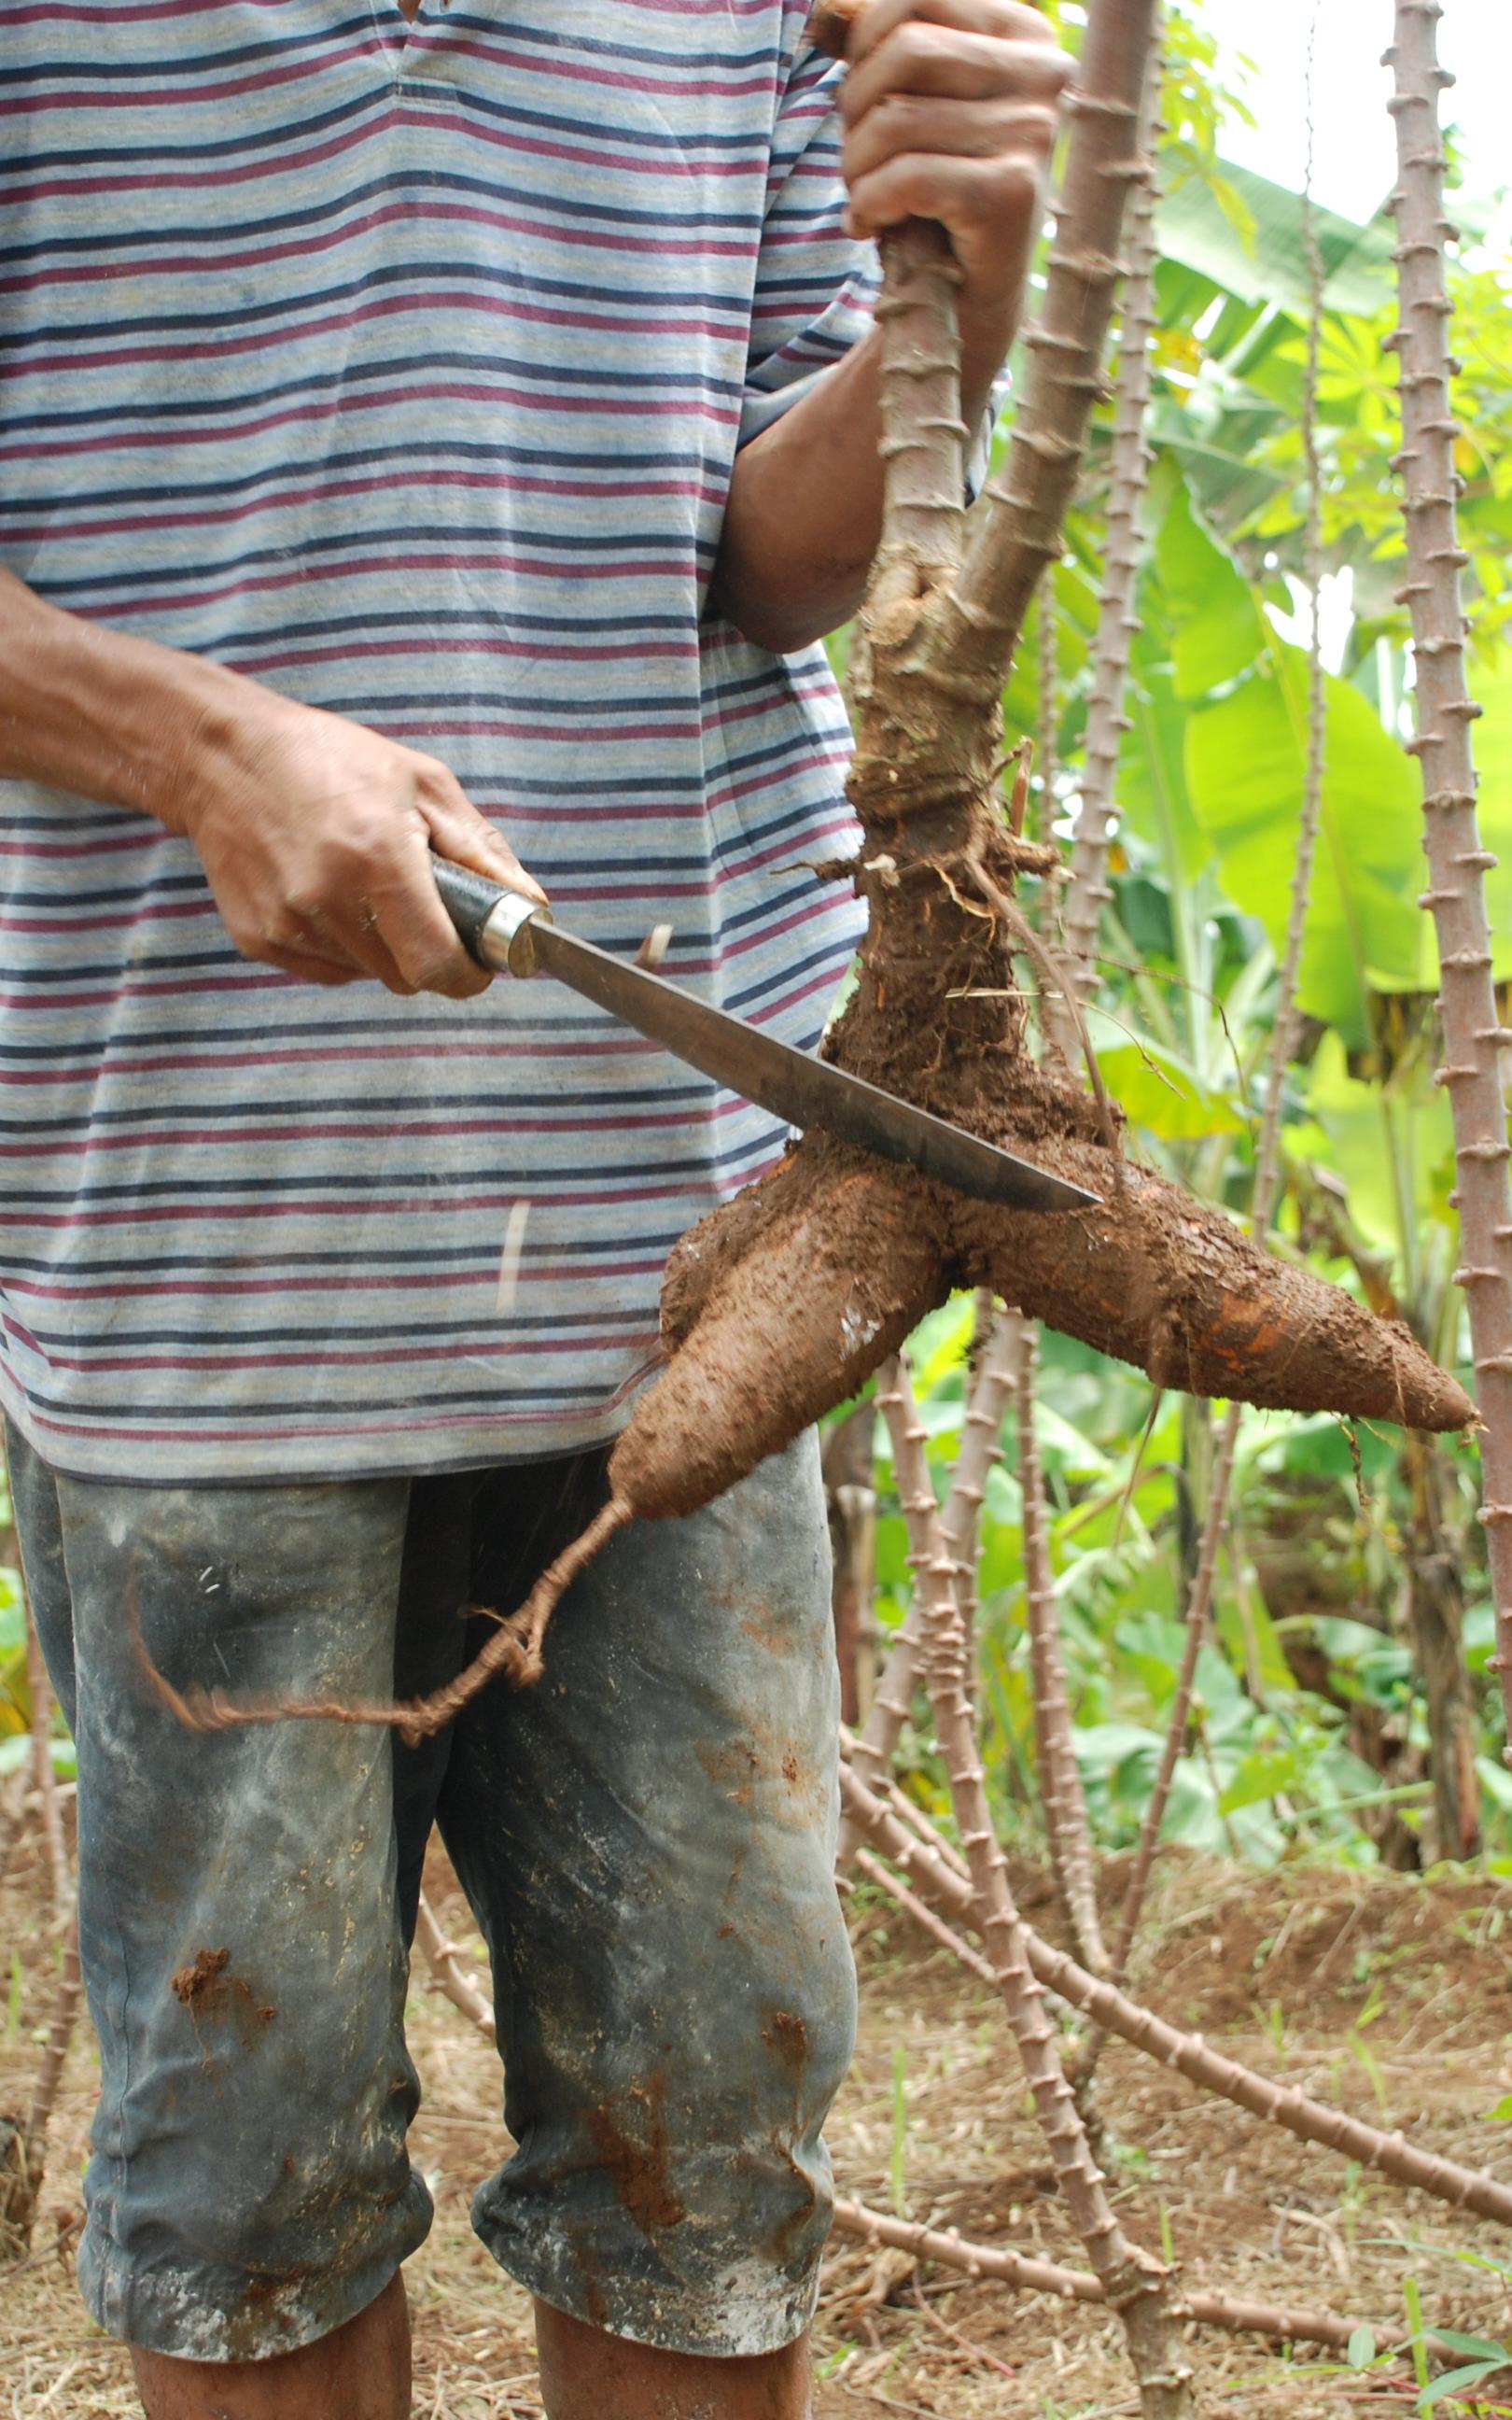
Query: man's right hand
x,y
317,834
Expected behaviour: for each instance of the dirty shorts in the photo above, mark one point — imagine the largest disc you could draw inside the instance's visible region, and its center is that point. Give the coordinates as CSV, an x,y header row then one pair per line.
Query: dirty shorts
x,y
646,1839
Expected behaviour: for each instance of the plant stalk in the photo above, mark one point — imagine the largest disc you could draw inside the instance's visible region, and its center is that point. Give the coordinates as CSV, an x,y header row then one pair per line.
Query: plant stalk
x,y
1136,2285
1067,1828
1117,621
1284,2322
1458,859
1189,2054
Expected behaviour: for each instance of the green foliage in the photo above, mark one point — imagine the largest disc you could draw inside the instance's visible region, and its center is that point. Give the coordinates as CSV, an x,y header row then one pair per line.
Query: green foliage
x,y
1269,1771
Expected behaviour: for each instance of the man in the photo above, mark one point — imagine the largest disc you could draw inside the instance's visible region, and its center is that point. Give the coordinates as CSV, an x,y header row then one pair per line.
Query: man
x,y
447,435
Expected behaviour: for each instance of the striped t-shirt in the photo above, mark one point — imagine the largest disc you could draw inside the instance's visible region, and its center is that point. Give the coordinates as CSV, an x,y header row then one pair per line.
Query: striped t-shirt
x,y
403,370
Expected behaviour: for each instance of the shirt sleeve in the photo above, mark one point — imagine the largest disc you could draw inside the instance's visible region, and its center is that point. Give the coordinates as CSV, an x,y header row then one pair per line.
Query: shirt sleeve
x,y
815,284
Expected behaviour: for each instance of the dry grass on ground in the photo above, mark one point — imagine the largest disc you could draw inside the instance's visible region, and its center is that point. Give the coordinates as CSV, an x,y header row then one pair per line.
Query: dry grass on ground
x,y
1392,1995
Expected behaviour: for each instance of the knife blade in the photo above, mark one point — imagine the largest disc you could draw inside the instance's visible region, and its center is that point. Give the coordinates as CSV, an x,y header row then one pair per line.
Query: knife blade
x,y
517,936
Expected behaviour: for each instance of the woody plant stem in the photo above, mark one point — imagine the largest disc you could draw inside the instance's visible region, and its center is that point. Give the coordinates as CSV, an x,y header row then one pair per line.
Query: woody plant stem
x,y
1136,2285
1457,861
931,1869
1268,1152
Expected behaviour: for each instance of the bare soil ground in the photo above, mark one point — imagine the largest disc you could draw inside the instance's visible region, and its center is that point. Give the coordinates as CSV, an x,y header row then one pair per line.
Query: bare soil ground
x,y
1392,1995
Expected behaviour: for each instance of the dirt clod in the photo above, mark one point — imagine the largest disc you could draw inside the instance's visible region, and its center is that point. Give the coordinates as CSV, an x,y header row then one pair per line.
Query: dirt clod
x,y
200,1985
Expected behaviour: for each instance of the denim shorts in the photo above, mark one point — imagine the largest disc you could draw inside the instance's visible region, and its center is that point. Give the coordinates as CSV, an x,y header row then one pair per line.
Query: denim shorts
x,y
646,1838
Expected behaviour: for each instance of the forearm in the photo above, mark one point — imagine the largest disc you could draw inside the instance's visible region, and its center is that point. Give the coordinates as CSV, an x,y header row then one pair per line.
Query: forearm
x,y
315,834
107,716
805,509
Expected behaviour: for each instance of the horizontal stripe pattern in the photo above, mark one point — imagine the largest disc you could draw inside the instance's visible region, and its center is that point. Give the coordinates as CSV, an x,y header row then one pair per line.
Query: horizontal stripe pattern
x,y
404,370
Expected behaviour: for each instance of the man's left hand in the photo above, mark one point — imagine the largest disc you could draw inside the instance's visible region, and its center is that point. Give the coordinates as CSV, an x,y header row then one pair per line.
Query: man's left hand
x,y
950,110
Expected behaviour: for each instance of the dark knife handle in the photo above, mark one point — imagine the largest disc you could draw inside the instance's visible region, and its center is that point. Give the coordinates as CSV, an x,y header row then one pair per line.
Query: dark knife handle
x,y
492,922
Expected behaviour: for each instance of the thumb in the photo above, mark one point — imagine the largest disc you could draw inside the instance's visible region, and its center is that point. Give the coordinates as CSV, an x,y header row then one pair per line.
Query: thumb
x,y
459,832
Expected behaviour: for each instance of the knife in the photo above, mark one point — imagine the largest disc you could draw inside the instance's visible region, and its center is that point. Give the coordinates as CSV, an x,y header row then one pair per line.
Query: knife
x,y
517,936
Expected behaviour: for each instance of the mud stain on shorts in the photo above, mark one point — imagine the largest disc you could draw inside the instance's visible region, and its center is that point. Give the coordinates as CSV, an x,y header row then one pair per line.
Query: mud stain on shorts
x,y
731,1769
787,2038
638,2155
212,1994
268,2305
775,1636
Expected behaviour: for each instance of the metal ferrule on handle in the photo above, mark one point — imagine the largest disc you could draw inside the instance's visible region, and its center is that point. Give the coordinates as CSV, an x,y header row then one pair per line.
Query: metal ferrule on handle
x,y
496,925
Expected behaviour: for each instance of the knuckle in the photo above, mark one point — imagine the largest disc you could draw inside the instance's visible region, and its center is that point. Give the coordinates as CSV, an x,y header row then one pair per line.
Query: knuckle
x,y
370,833
1010,188
916,188
263,948
1031,126
913,45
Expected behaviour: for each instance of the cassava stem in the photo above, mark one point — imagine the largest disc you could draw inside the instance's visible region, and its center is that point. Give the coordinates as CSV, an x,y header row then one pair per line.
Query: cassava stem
x,y
1066,1829
1128,474
1282,2322
1135,2285
926,1918
447,1976
923,435
1458,859
1048,706
980,1447
21,2191
982,1432
1268,1151
1189,2054
1010,542
1065,1808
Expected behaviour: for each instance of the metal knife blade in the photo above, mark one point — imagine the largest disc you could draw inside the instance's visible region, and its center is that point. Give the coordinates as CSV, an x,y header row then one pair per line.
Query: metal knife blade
x,y
516,936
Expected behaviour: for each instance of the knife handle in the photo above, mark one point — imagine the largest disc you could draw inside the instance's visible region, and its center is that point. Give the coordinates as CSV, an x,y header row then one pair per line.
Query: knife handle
x,y
493,923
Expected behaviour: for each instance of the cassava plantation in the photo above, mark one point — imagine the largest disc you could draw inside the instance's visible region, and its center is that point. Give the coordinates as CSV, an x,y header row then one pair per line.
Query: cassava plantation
x,y
1172,1536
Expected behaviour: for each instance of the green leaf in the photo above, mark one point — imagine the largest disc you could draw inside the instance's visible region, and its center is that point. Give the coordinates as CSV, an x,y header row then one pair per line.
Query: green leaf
x,y
1067,1446
1204,231
1502,2109
1361,2350
1219,631
1472,2347
1246,770
1379,1139
1153,790
1454,2382
1159,1090
1260,1778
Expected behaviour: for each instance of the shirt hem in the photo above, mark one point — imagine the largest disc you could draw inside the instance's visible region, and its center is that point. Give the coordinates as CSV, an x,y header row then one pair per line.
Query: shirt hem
x,y
269,1460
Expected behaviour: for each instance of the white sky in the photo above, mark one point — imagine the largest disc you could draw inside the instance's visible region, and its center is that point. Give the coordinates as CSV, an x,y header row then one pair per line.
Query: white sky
x,y
1356,155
